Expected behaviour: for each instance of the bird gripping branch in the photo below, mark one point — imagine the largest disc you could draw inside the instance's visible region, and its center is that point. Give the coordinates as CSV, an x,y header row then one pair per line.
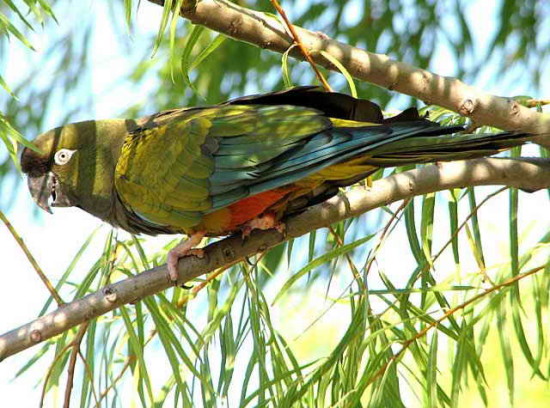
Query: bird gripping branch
x,y
242,165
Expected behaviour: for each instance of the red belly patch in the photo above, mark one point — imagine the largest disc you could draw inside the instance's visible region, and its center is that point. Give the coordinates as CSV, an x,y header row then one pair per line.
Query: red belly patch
x,y
250,207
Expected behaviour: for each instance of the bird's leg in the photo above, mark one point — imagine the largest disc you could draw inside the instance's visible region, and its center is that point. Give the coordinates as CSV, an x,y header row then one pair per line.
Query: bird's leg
x,y
184,248
265,221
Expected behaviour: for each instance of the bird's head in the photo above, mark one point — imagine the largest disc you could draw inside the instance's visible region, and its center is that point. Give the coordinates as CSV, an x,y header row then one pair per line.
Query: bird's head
x,y
75,165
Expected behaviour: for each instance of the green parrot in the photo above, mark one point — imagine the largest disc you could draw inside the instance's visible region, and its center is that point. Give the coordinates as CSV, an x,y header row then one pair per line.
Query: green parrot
x,y
242,165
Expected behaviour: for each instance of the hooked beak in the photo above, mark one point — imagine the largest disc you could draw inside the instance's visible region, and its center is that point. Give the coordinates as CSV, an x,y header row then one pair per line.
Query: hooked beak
x,y
45,191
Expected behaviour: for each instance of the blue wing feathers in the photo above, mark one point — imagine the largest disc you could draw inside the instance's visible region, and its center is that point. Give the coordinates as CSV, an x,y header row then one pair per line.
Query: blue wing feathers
x,y
254,167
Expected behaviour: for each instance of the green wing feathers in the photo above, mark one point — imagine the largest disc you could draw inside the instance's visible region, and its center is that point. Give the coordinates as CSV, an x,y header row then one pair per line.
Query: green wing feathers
x,y
174,174
196,161
162,174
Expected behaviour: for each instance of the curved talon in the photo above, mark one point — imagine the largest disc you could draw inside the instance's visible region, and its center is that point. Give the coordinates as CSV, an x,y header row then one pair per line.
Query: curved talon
x,y
281,227
263,222
245,232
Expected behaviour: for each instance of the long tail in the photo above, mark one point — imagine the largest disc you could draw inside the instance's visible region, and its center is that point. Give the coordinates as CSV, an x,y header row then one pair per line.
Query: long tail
x,y
384,142
426,149
347,154
362,140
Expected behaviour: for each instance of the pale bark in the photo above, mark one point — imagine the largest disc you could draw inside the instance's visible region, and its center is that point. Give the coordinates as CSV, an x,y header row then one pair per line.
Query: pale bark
x,y
266,32
531,175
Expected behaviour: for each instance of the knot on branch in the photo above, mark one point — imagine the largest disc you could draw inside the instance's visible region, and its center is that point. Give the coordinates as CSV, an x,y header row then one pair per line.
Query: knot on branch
x,y
514,107
228,253
35,336
235,26
110,294
467,106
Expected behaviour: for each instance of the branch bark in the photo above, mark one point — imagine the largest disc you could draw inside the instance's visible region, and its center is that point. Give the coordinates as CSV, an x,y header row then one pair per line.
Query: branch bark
x,y
266,32
527,174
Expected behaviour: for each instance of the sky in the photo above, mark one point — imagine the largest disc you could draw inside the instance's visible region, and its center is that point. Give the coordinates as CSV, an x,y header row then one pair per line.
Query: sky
x,y
55,239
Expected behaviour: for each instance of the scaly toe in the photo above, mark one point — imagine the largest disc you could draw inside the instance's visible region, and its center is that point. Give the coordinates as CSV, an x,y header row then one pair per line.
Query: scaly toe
x,y
174,257
172,263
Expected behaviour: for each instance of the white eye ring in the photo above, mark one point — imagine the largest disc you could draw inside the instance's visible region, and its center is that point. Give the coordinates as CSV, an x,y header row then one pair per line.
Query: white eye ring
x,y
63,156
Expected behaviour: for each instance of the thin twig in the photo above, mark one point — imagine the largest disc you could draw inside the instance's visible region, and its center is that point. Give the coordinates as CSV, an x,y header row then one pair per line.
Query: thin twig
x,y
470,215
72,362
196,289
256,28
90,374
383,231
396,216
351,264
129,361
31,259
49,373
533,103
301,45
180,303
447,314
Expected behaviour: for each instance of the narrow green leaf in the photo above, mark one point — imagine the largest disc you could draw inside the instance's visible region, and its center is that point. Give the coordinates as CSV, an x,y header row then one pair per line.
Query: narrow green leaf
x,y
213,46
5,24
474,221
459,369
136,348
311,247
514,240
7,129
192,39
414,243
431,374
15,9
4,85
522,340
284,66
31,361
128,12
453,219
328,256
426,225
166,11
343,70
506,350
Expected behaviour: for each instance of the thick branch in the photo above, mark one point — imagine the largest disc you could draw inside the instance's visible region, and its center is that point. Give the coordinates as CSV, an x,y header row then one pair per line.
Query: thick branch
x,y
266,32
531,175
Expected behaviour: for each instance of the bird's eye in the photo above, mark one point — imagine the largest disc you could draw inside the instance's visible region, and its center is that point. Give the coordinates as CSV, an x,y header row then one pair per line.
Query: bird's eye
x,y
63,156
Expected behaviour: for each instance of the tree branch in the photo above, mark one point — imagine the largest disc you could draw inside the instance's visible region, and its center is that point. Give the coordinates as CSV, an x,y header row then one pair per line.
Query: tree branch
x,y
259,29
527,174
301,46
31,259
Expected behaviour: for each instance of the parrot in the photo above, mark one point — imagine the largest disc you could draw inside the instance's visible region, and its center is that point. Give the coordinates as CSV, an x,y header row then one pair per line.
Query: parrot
x,y
241,165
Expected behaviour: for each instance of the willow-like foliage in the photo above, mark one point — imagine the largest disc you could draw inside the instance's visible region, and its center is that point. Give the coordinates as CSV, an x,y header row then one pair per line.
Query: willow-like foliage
x,y
411,305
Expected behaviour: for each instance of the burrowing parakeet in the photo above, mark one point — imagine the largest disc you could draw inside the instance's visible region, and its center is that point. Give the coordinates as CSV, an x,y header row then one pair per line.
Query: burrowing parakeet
x,y
240,165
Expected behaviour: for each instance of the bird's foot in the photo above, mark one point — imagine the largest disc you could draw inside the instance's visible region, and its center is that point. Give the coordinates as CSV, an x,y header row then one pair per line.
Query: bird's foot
x,y
263,222
183,249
